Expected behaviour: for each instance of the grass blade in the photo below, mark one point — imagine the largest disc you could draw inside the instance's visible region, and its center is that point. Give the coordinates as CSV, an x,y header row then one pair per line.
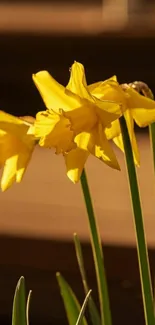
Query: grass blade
x,y
28,306
82,311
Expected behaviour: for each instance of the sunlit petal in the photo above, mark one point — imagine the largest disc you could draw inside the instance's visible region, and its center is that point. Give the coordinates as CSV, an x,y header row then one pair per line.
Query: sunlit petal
x,y
9,146
75,161
109,97
130,126
5,117
16,147
24,157
114,92
144,116
9,172
113,130
97,89
119,140
15,156
10,123
54,94
102,149
107,111
141,107
84,140
77,82
135,100
98,145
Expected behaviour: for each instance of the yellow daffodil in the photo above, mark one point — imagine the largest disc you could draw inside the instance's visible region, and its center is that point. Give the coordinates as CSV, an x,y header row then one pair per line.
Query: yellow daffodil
x,y
16,146
135,106
75,120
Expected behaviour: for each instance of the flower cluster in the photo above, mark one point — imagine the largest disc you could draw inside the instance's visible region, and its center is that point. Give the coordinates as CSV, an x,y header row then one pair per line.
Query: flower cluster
x,y
79,120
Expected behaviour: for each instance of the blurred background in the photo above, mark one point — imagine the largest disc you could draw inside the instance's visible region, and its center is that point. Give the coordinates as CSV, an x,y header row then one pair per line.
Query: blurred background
x,y
38,217
108,37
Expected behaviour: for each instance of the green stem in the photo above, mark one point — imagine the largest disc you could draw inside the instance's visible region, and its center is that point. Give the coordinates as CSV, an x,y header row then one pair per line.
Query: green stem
x,y
139,228
152,141
97,254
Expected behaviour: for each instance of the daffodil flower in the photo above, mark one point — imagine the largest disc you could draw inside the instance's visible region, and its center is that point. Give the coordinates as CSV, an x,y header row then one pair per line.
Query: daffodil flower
x,y
16,146
135,106
75,120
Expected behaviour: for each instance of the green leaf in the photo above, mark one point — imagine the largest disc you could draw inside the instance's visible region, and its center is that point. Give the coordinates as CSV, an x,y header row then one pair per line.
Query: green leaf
x,y
82,311
94,314
19,304
28,306
71,303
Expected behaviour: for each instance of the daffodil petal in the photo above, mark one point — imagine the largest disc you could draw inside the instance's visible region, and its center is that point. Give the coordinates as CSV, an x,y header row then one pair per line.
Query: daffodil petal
x,y
24,157
98,145
143,116
118,140
109,97
113,92
8,146
130,126
10,118
141,107
84,140
97,89
54,131
77,82
12,124
107,111
113,130
3,145
102,148
9,172
14,168
136,100
54,94
75,161
85,117
136,155
14,156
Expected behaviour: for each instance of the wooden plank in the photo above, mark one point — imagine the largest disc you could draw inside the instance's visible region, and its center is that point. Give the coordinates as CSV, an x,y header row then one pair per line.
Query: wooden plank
x,y
46,18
